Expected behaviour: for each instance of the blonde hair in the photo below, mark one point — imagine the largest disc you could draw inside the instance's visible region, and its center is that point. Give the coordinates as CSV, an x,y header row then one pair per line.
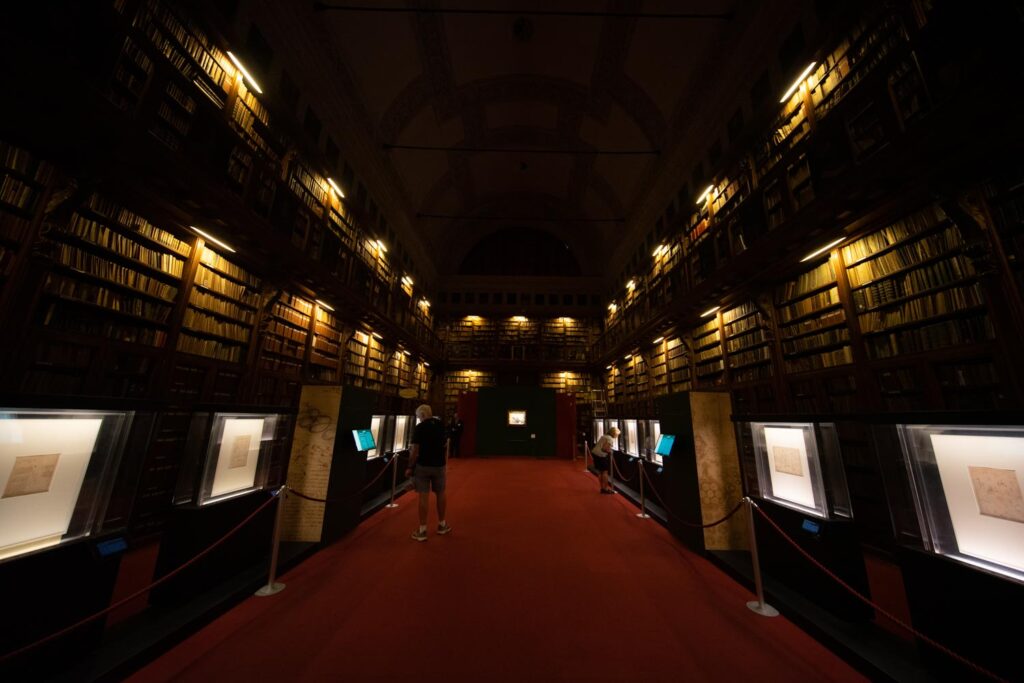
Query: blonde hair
x,y
424,412
614,431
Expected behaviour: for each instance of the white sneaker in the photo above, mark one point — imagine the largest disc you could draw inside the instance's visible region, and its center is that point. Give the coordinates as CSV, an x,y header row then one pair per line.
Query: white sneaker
x,y
443,529
419,535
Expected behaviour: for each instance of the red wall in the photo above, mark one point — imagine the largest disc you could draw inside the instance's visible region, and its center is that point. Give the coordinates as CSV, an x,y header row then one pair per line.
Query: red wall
x,y
565,425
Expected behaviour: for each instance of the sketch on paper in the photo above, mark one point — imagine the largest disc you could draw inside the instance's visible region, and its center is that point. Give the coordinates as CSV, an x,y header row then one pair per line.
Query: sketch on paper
x,y
239,455
788,460
998,493
31,474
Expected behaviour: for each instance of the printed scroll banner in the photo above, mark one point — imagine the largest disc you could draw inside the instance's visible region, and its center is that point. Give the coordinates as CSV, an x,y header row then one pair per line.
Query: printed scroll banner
x,y
43,462
718,469
309,468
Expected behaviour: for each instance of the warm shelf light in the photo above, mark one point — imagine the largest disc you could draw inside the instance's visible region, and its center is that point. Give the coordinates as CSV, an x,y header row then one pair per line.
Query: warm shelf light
x,y
404,352
658,340
608,367
627,356
519,318
424,303
710,311
658,250
425,363
704,195
210,238
322,305
334,186
407,280
472,318
822,250
631,285
798,81
248,77
565,320
612,307
375,335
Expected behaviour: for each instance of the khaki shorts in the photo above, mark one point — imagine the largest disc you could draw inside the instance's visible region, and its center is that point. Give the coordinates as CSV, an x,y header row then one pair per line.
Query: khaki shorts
x,y
426,479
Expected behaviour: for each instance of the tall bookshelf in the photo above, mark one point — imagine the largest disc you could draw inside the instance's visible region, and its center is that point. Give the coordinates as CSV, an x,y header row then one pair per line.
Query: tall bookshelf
x,y
678,364
326,354
221,309
458,382
811,320
708,359
659,368
915,291
748,340
23,180
115,275
286,334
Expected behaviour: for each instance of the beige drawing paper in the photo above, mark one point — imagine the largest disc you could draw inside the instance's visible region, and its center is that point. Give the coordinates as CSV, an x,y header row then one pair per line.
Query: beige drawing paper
x,y
998,493
239,451
230,476
787,460
31,474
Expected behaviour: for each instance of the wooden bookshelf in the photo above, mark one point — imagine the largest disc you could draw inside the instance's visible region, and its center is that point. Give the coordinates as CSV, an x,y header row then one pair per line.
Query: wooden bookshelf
x,y
811,320
748,342
286,333
221,311
708,358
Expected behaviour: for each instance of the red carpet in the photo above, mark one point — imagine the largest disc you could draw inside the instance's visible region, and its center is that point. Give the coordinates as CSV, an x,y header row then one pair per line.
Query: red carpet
x,y
542,579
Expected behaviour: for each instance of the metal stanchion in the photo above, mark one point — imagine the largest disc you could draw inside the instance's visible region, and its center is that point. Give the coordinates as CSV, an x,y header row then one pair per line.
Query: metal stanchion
x,y
586,455
643,501
272,586
759,605
394,480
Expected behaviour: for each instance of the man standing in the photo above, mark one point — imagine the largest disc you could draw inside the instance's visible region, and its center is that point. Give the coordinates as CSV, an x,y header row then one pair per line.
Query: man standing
x,y
455,435
427,469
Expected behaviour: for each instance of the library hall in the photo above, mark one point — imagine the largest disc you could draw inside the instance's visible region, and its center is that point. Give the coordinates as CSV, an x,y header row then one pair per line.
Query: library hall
x,y
636,341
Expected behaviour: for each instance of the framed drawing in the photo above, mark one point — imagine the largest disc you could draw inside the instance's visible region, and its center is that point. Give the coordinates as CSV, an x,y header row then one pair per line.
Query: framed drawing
x,y
517,418
632,440
236,458
56,471
968,487
403,432
798,466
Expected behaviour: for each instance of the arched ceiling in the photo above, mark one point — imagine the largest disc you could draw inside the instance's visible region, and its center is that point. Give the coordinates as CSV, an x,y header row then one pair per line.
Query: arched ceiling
x,y
580,84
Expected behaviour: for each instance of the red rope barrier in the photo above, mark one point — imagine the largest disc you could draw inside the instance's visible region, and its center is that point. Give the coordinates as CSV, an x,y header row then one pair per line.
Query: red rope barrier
x,y
370,483
138,593
889,615
616,466
680,519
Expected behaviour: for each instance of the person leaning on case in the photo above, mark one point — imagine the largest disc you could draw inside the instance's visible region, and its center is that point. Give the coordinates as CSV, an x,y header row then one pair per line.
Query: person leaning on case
x,y
602,452
427,469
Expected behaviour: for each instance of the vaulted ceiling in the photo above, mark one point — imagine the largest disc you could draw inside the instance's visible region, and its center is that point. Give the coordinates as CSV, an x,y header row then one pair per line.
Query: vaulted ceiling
x,y
521,90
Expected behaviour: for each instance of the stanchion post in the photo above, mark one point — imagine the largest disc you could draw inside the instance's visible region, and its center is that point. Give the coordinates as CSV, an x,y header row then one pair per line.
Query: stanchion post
x,y
586,455
394,480
643,501
759,605
272,587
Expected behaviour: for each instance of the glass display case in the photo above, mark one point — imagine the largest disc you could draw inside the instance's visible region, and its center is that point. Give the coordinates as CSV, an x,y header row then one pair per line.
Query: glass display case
x,y
57,468
517,418
652,441
632,446
403,432
968,488
798,466
609,424
237,455
375,430
598,431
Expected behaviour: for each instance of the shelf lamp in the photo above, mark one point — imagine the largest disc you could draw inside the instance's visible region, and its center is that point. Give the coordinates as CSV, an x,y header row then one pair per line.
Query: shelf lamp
x,y
631,285
822,250
708,192
334,186
248,77
322,305
658,250
424,303
210,238
519,318
612,307
376,336
798,81
608,367
710,311
380,246
658,340
406,280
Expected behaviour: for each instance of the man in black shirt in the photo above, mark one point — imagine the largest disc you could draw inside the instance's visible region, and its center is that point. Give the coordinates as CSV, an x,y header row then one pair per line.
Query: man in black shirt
x,y
427,469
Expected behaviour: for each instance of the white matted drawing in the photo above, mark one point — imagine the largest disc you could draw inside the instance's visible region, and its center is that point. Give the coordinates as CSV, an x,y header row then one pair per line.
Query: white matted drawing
x,y
787,462
982,478
237,455
43,463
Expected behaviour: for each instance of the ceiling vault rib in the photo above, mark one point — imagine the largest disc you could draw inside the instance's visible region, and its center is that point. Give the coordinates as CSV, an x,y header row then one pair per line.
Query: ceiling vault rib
x,y
673,16
525,150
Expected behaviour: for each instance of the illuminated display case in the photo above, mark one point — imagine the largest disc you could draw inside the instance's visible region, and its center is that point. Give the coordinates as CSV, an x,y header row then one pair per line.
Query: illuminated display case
x,y
376,422
968,488
57,469
403,432
798,466
632,438
229,454
517,418
598,431
651,442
